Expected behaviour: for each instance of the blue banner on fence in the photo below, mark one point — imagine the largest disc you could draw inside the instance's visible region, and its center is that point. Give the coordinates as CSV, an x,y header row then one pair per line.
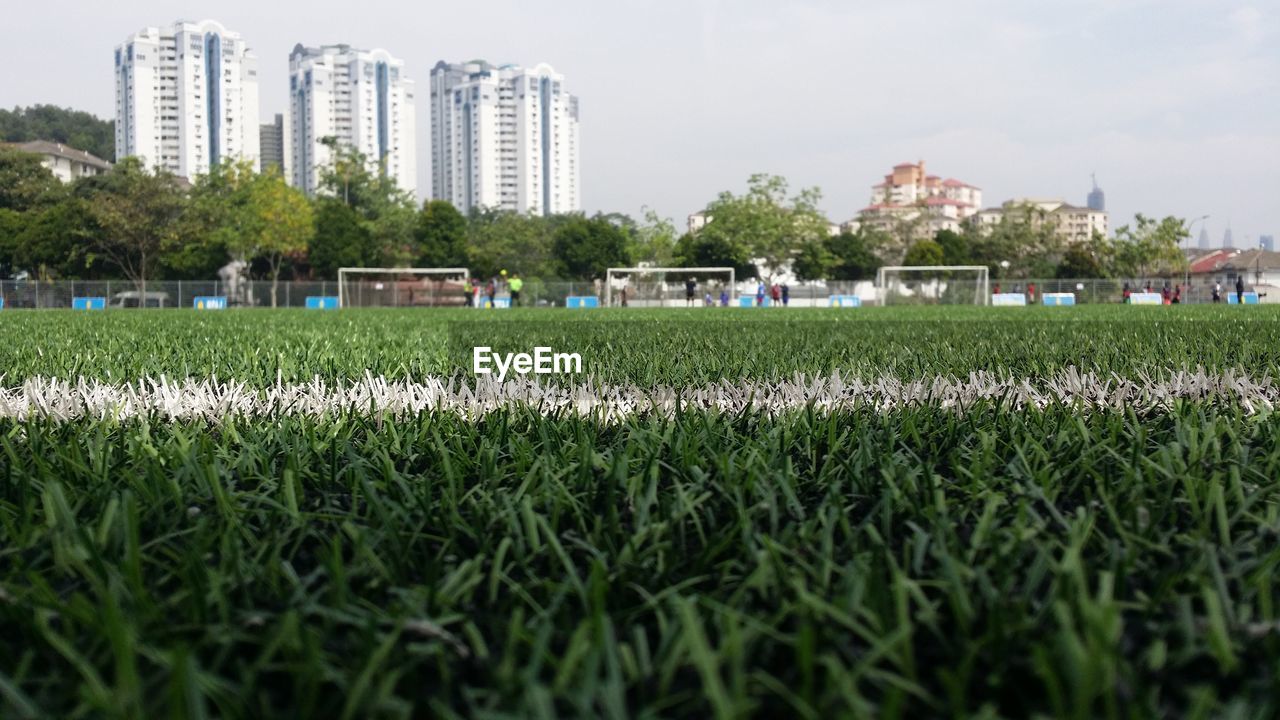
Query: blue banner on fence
x,y
209,302
1,303
1250,298
582,301
88,303
844,301
322,302
1059,299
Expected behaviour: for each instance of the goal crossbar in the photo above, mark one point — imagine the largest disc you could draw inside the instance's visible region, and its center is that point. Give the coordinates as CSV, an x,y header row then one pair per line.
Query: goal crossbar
x,y
343,272
982,290
608,277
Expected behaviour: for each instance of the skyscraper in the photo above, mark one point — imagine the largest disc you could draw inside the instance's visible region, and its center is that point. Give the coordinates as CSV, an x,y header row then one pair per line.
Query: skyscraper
x,y
272,145
360,98
186,97
1267,242
1204,238
1097,199
1227,240
504,138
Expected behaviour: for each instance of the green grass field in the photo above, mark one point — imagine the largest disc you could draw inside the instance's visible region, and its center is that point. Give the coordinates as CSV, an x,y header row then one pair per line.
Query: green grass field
x,y
921,561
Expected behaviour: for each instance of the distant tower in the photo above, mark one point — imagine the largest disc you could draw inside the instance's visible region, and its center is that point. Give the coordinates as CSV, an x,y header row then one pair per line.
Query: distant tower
x,y
1204,238
1267,242
1097,198
1227,240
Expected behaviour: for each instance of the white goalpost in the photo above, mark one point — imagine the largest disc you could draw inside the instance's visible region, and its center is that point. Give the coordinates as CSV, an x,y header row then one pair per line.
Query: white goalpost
x,y
933,284
401,287
661,286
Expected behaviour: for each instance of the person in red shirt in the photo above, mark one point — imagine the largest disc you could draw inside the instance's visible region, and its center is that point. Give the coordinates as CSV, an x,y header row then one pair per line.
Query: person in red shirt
x,y
1031,293
776,293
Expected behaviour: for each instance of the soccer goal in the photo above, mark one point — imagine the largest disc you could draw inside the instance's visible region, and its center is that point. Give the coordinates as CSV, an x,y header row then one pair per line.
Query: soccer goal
x,y
402,287
669,287
933,285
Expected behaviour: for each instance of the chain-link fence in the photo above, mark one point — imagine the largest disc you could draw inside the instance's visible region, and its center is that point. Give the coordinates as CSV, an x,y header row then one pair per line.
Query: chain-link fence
x,y
548,293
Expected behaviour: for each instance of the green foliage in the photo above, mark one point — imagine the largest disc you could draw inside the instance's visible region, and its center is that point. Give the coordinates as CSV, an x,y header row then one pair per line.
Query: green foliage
x,y
585,248
138,215
955,247
75,128
1080,261
924,252
340,240
56,242
1150,247
514,242
654,240
764,223
389,213
713,250
24,182
441,235
844,256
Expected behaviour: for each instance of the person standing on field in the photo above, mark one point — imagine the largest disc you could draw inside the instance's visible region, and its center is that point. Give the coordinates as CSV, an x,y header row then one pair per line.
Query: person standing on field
x,y
1031,293
1239,289
1217,292
690,291
786,294
776,294
760,294
515,283
1125,293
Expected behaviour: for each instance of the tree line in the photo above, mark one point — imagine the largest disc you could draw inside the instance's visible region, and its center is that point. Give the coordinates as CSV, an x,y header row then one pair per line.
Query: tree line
x,y
75,128
146,224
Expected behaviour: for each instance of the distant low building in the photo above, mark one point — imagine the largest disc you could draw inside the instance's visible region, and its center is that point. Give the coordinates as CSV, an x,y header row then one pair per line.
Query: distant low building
x,y
1267,242
65,162
1073,224
1258,267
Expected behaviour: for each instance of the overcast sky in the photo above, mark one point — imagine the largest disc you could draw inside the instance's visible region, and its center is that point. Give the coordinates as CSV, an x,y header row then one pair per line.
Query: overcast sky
x,y
1175,105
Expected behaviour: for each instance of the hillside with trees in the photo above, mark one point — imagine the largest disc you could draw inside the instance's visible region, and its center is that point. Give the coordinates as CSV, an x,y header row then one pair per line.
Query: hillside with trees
x,y
76,128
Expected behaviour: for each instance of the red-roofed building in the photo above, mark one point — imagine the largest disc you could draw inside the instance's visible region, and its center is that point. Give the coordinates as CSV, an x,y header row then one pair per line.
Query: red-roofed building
x,y
909,194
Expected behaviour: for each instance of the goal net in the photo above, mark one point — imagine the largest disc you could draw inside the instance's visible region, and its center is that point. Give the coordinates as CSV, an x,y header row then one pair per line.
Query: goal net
x,y
933,285
403,287
669,287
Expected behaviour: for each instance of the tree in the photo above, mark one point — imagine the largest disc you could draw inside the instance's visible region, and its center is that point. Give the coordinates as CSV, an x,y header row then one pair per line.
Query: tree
x,y
77,129
713,250
500,240
1150,247
56,241
924,252
585,248
138,215
285,224
955,247
389,214
764,224
441,235
1079,261
340,239
654,240
25,182
222,212
856,255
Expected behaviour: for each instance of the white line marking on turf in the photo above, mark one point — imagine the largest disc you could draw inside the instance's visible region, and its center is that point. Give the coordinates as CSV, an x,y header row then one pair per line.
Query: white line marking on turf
x,y
212,400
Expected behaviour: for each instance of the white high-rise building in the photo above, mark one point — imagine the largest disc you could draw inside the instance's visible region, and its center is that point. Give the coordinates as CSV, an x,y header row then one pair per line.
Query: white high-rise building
x,y
186,98
360,98
504,138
